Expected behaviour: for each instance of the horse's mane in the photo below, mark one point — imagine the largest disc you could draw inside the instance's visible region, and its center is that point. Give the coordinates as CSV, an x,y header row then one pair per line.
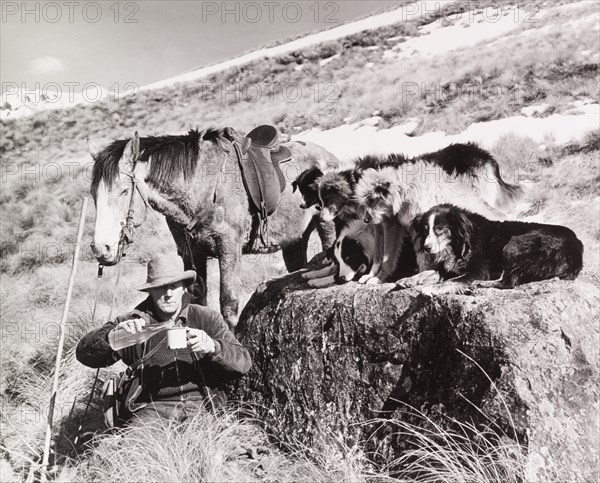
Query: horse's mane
x,y
171,156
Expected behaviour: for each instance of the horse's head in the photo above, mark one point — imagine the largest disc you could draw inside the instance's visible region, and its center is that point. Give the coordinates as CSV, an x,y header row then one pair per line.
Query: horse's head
x,y
114,189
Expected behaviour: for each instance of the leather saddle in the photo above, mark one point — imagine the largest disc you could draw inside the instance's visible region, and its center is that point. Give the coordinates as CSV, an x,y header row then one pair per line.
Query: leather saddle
x,y
260,154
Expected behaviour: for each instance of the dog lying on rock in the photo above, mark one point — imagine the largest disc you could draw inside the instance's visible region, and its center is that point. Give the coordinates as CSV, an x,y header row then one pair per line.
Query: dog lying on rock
x,y
455,248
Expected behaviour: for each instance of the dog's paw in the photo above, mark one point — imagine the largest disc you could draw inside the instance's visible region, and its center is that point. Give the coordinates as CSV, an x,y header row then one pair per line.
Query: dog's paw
x,y
320,282
485,284
404,283
428,291
365,278
374,281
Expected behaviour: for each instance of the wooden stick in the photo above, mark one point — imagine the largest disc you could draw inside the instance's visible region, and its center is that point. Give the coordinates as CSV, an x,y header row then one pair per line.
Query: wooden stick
x,y
61,341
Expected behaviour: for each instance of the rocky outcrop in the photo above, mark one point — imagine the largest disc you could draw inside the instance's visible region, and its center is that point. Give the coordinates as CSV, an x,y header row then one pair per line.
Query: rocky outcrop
x,y
329,360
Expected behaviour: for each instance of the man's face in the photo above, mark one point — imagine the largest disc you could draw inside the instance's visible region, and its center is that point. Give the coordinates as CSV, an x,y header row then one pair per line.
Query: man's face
x,y
167,299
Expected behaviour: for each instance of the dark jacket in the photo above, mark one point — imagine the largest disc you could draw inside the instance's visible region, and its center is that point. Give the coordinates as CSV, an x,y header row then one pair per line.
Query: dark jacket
x,y
168,374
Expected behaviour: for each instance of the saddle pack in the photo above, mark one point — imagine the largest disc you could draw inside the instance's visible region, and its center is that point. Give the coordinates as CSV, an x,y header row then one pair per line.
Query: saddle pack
x,y
259,155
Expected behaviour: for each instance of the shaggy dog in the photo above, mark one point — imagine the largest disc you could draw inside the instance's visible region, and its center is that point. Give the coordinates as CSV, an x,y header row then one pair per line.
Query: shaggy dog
x,y
467,163
354,253
397,193
461,247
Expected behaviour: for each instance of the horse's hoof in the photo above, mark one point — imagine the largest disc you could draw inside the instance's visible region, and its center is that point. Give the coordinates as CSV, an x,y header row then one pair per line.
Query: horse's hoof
x,y
248,248
231,319
254,250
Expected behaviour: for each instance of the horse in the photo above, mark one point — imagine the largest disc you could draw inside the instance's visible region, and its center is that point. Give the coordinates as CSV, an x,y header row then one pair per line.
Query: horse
x,y
195,181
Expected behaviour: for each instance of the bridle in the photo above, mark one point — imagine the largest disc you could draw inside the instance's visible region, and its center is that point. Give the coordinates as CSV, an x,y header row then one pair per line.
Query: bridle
x,y
126,235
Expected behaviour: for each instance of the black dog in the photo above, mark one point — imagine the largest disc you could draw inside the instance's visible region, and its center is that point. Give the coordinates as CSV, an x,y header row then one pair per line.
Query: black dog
x,y
461,247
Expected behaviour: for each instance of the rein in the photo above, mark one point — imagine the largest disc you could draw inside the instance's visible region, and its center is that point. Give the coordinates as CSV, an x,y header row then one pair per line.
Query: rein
x,y
97,375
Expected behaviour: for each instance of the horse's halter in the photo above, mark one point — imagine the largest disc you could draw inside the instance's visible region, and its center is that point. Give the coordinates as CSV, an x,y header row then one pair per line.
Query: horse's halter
x,y
126,235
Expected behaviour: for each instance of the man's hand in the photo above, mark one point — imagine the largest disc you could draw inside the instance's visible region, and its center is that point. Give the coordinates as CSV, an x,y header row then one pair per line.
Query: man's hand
x,y
200,342
132,326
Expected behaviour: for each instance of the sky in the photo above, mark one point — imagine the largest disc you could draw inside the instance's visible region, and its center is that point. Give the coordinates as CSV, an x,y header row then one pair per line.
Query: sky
x,y
116,44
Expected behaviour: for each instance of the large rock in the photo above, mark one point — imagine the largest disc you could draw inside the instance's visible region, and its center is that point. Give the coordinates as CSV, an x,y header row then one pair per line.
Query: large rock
x,y
327,359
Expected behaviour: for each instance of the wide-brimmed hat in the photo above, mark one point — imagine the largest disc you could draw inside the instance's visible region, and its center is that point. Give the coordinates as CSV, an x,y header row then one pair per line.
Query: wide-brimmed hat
x,y
166,269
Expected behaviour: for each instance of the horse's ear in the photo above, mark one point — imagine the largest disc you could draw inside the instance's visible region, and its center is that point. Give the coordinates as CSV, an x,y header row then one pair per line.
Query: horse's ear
x,y
230,134
130,154
135,146
93,148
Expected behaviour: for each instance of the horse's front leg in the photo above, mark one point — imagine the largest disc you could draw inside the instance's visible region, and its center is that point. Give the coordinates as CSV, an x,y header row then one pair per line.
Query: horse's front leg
x,y
199,290
228,245
194,257
250,246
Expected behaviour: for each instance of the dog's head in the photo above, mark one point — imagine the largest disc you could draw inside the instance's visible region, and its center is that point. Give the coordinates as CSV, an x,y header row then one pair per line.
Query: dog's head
x,y
444,231
308,185
353,251
377,196
335,194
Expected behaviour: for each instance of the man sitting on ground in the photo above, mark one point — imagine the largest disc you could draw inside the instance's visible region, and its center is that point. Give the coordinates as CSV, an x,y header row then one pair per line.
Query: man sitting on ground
x,y
175,383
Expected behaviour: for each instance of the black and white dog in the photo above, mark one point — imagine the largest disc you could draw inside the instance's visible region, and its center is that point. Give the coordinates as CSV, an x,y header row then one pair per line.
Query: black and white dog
x,y
457,247
354,253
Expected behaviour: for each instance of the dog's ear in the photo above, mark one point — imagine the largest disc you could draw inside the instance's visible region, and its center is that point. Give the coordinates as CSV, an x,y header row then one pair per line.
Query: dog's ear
x,y
396,201
316,182
464,232
417,232
417,222
294,186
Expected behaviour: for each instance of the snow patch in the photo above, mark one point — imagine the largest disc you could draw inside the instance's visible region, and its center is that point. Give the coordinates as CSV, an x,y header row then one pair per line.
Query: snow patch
x,y
534,109
358,139
328,59
438,37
